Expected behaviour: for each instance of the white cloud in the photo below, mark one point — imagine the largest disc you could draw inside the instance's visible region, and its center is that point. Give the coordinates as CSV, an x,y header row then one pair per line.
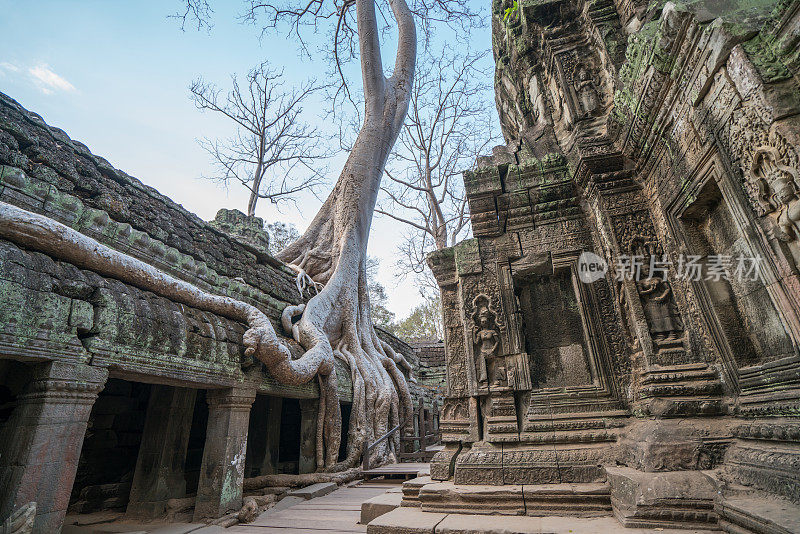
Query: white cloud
x,y
10,67
48,81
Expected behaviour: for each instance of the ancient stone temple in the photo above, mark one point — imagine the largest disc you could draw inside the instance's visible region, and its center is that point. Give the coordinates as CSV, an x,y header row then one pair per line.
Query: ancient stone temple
x,y
114,397
622,332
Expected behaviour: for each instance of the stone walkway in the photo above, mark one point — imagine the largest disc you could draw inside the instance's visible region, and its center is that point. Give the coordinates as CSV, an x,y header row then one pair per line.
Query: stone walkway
x,y
335,513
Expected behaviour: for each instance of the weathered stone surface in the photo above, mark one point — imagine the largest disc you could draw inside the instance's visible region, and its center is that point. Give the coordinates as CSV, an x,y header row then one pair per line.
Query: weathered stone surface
x,y
248,230
405,520
571,500
219,490
159,474
674,499
411,490
758,514
377,506
314,490
447,497
39,452
308,435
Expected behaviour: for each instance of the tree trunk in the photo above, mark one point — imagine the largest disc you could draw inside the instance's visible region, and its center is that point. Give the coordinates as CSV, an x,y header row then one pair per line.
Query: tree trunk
x,y
258,175
336,323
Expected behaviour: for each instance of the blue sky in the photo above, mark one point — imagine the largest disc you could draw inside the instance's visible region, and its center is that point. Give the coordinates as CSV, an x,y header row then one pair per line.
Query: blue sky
x,y
115,75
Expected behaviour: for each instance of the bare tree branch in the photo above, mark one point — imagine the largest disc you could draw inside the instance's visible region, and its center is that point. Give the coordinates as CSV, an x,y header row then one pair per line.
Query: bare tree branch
x,y
271,141
448,125
198,12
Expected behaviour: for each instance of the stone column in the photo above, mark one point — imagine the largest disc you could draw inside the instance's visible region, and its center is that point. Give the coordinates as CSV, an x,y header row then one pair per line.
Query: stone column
x,y
309,409
270,464
41,442
219,489
159,474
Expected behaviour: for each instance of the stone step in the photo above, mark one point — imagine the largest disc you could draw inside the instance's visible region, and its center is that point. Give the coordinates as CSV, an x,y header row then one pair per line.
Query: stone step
x,y
410,520
379,505
758,515
668,499
411,490
578,500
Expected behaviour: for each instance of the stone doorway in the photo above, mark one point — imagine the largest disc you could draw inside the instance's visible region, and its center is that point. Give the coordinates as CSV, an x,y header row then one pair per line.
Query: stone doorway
x,y
289,445
742,310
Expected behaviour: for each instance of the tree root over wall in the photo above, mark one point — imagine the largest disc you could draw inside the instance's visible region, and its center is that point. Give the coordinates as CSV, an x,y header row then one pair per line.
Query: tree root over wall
x,y
380,391
43,234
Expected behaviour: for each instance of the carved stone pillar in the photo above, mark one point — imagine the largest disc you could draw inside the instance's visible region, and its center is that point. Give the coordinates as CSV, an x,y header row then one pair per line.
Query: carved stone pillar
x,y
159,474
219,489
41,443
309,410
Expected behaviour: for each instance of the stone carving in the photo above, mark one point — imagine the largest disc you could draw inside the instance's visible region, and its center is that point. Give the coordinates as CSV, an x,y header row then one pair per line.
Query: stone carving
x,y
778,185
659,307
586,90
486,339
655,292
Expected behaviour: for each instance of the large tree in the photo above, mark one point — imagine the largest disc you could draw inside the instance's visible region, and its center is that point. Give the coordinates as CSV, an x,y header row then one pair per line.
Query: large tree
x,y
332,253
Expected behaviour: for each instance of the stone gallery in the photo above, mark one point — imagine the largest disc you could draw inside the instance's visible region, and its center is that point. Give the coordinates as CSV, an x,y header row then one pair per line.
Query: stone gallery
x,y
622,331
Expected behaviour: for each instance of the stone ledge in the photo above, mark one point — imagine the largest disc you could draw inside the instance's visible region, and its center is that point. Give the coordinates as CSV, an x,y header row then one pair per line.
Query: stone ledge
x,y
314,490
379,505
405,520
411,490
575,500
758,515
449,497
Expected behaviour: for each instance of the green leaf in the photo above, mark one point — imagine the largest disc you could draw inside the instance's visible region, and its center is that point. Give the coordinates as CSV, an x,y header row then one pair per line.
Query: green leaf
x,y
509,11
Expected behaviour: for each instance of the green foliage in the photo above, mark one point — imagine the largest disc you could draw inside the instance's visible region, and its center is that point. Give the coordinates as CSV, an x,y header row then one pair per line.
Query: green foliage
x,y
424,321
510,11
281,235
381,316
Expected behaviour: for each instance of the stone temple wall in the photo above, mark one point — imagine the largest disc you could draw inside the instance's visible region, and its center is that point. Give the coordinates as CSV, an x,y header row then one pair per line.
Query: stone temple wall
x,y
66,332
432,369
633,129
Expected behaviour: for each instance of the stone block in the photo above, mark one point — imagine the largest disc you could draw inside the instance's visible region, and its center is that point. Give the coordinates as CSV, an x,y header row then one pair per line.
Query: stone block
x,y
574,500
379,505
480,464
411,490
314,490
405,520
470,524
759,515
447,497
676,499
